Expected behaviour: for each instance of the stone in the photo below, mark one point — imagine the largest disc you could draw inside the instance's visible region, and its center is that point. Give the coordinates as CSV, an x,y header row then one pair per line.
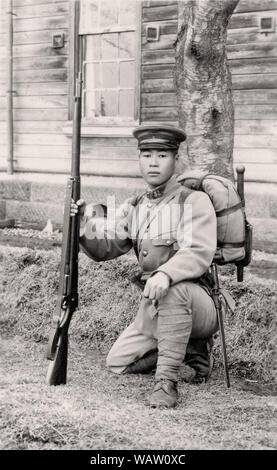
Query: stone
x,y
2,209
44,192
34,212
15,189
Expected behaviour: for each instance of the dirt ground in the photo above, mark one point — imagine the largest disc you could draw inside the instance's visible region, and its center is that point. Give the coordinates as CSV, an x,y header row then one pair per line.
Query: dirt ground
x,y
98,410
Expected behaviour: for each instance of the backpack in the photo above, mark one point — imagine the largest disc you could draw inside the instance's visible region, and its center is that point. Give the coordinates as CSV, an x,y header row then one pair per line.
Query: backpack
x,y
234,232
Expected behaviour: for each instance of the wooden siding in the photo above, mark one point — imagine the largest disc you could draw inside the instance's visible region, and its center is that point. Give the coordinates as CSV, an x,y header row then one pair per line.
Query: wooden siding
x,y
253,62
40,85
42,99
42,73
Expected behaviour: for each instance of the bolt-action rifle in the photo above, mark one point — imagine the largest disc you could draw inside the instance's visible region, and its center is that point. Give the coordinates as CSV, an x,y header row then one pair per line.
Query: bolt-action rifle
x,y
67,302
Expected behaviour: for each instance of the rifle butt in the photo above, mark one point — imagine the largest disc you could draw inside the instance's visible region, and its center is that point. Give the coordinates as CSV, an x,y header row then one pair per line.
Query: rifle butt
x,y
239,273
57,369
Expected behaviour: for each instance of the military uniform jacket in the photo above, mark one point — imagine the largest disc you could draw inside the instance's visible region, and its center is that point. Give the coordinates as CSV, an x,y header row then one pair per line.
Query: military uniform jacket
x,y
174,233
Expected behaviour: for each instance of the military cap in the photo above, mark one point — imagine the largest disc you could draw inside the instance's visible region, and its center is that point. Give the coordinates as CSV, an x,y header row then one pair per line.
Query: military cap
x,y
159,137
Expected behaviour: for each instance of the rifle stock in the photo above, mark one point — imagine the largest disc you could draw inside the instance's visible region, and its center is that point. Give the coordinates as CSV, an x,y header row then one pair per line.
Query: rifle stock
x,y
67,302
57,369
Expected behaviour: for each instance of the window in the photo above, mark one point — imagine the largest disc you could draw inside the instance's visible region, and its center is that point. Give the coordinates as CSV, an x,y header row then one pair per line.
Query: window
x,y
110,65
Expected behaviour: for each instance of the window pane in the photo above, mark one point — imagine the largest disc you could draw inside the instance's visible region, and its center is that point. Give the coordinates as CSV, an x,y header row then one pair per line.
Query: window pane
x,y
109,103
93,48
101,103
126,103
92,76
89,14
92,104
127,45
127,75
110,75
108,13
109,46
109,70
127,12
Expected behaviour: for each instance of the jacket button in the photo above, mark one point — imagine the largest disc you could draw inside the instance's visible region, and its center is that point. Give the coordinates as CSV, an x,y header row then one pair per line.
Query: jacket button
x,y
144,252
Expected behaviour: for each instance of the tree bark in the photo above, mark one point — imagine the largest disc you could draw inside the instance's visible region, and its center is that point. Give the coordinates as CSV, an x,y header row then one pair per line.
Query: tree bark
x,y
203,83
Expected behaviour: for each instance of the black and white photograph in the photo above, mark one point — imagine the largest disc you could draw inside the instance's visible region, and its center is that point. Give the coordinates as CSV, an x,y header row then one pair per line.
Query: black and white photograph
x,y
138,231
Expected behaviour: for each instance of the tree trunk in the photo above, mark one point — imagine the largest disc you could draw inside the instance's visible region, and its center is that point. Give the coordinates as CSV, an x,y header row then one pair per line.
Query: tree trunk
x,y
204,87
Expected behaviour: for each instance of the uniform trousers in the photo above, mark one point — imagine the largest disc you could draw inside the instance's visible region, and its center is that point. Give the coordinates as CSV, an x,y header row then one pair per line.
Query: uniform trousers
x,y
187,311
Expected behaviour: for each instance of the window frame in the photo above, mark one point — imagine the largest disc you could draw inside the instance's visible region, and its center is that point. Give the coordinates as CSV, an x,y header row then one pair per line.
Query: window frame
x,y
104,121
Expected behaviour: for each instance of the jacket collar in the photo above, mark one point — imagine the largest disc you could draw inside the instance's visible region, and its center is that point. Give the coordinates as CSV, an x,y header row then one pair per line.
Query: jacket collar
x,y
161,190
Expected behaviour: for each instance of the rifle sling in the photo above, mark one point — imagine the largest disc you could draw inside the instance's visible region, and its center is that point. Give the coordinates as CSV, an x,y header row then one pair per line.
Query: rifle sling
x,y
229,210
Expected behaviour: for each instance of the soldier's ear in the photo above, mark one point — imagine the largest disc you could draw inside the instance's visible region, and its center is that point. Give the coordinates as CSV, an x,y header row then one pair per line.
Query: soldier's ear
x,y
177,156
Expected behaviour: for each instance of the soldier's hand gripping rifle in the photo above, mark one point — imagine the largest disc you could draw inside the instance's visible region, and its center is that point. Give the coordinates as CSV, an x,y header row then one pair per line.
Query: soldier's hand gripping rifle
x,y
67,302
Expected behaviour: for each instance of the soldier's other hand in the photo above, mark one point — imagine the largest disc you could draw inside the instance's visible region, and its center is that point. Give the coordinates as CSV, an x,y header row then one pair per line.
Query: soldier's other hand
x,y
157,286
77,207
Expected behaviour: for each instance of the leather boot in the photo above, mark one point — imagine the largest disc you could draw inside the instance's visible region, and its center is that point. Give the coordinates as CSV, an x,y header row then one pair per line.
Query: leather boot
x,y
199,356
164,395
143,365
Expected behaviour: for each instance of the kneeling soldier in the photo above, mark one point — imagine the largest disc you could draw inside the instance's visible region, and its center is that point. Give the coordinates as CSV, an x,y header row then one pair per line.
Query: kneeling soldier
x,y
173,232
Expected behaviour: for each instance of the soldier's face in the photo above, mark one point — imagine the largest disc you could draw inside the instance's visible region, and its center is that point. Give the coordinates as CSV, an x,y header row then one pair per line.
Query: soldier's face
x,y
157,165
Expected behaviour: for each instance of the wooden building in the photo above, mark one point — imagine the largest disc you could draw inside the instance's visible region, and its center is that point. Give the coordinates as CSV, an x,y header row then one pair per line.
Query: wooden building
x,y
128,80
128,69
